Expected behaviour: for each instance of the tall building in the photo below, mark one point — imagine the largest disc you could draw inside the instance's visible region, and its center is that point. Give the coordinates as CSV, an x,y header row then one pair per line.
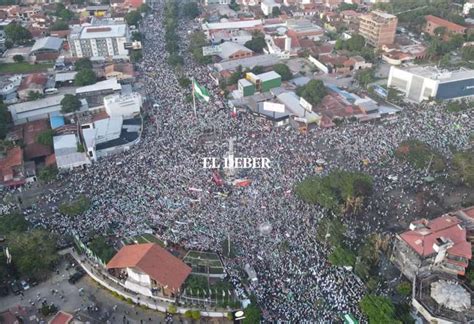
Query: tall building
x,y
433,23
378,28
100,41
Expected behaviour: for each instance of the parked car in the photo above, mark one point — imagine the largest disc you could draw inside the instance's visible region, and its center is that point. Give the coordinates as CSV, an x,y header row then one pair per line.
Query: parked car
x,y
24,285
15,287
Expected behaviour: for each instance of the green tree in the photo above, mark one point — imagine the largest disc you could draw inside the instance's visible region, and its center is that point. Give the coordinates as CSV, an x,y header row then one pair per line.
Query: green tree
x,y
463,167
340,191
137,36
196,315
342,256
420,155
10,223
365,77
34,95
75,207
70,103
191,10
468,53
378,309
256,44
258,69
313,92
136,56
18,58
46,138
33,253
276,12
172,309
234,5
175,59
284,71
83,63
102,249
331,230
85,77
197,41
65,14
253,314
404,288
347,6
17,34
184,82
59,25
144,8
4,119
133,18
48,174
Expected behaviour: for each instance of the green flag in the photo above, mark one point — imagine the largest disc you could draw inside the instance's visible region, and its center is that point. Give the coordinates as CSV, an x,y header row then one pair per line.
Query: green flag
x,y
200,92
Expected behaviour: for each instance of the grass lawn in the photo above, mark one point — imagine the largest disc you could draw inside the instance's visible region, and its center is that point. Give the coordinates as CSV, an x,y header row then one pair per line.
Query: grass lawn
x,y
6,68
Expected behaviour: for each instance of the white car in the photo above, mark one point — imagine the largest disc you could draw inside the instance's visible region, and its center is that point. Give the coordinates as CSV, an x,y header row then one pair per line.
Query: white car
x,y
24,285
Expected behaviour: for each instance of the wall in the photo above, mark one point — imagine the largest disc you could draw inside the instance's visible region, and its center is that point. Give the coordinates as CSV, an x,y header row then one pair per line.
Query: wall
x,y
318,64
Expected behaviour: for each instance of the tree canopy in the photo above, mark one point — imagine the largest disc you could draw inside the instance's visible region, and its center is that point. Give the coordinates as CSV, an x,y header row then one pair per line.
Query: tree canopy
x,y
133,18
354,44
191,10
85,77
313,92
420,155
33,253
256,44
46,137
339,191
17,33
102,249
284,71
83,63
70,103
253,314
196,42
59,25
378,309
12,223
365,77
4,117
463,167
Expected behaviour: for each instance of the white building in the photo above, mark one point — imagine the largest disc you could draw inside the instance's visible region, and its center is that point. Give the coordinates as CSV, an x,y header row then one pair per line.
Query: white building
x,y
123,105
100,41
423,83
216,2
66,150
102,87
34,110
267,6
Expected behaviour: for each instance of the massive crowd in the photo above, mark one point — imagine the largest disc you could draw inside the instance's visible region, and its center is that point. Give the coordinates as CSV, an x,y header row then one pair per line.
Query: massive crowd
x,y
151,185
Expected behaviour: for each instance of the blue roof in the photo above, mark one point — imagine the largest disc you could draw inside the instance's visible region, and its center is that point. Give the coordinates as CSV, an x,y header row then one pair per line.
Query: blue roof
x,y
56,121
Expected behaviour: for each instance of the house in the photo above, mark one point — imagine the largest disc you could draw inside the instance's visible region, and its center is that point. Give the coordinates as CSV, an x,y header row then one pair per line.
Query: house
x,y
34,110
233,51
397,54
433,23
268,5
35,82
12,171
149,269
67,152
61,318
439,244
121,71
47,49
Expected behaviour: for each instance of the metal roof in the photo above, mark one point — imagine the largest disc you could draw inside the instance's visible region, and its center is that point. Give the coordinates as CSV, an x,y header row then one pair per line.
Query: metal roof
x,y
47,43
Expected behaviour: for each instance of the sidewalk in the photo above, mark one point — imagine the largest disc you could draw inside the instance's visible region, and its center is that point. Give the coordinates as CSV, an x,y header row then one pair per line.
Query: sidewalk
x,y
157,303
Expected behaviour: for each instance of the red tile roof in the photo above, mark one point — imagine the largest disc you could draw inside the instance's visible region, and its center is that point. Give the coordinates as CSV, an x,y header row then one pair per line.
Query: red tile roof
x,y
34,78
444,23
13,159
153,260
61,318
426,233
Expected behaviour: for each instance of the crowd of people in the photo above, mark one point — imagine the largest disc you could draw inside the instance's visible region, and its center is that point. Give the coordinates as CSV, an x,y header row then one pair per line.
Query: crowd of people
x,y
161,184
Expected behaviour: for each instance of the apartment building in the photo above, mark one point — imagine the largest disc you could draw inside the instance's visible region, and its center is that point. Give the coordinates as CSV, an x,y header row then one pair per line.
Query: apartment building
x,y
378,28
100,41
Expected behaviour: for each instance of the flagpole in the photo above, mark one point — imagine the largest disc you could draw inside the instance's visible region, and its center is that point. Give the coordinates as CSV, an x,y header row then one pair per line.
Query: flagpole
x,y
194,100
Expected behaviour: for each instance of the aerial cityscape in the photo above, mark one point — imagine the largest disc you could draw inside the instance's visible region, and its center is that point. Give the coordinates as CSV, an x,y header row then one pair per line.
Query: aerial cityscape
x,y
236,161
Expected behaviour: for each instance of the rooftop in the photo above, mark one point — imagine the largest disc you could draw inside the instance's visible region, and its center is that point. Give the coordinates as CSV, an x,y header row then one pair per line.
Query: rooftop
x,y
424,234
37,104
238,24
105,31
153,260
110,84
432,72
444,23
47,43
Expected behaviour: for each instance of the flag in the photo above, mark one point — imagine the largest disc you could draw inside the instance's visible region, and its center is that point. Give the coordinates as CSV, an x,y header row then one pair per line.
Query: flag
x,y
200,92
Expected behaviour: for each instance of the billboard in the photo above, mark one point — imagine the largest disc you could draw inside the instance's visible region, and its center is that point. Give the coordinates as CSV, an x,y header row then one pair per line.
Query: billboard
x,y
306,105
276,107
211,50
